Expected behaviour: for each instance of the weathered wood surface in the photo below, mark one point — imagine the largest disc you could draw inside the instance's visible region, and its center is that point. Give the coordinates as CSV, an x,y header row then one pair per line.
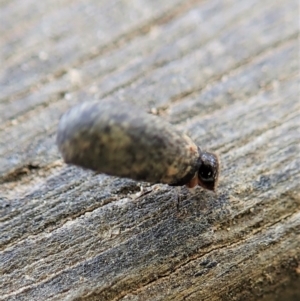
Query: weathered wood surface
x,y
226,72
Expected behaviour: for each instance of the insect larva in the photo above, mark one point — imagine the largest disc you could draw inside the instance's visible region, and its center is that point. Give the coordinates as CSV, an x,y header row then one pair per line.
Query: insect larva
x,y
119,139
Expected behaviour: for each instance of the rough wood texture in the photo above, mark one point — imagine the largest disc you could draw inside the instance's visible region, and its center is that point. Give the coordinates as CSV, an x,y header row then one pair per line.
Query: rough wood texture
x,y
226,72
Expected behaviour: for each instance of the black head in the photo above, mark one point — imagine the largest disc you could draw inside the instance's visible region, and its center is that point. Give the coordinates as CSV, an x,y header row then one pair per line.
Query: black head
x,y
208,171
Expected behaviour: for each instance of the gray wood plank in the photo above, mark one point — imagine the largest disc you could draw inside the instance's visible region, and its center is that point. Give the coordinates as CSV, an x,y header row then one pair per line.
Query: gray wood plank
x,y
226,73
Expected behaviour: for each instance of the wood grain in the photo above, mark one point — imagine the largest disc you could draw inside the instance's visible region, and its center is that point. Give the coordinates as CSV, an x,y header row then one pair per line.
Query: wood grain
x,y
226,73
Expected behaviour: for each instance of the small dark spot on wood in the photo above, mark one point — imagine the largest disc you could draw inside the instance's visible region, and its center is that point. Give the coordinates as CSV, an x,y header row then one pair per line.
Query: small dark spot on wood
x,y
211,264
264,182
